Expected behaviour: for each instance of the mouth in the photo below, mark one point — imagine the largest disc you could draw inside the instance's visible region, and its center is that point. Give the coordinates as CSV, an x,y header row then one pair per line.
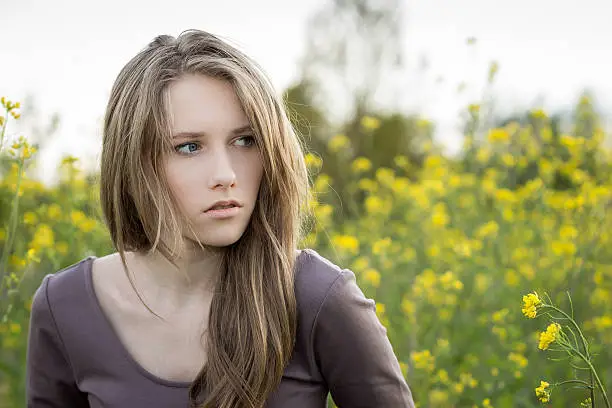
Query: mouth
x,y
224,205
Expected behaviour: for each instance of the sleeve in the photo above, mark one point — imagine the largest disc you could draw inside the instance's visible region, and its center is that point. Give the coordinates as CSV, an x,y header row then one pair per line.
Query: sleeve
x,y
353,351
49,379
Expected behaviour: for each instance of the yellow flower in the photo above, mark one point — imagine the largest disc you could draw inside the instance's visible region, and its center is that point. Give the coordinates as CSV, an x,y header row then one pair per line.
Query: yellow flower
x,y
527,271
433,251
549,336
346,242
408,307
401,162
385,176
483,155
538,114
489,229
381,246
432,161
372,276
561,248
54,211
370,123
322,183
439,216
312,161
400,185
443,376
519,359
32,256
568,232
602,323
467,379
375,205
361,164
43,238
30,218
368,185
511,277
501,332
530,303
498,135
505,196
338,142
542,392
500,315
423,360
458,387
443,344
508,160
14,260
15,328
87,225
77,217
474,109
438,398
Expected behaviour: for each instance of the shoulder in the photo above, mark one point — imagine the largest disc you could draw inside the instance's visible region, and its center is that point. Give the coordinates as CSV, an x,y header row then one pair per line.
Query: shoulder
x,y
316,276
320,283
62,287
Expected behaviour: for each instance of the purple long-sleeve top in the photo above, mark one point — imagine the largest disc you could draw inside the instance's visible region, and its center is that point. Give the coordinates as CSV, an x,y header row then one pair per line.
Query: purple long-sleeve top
x,y
75,358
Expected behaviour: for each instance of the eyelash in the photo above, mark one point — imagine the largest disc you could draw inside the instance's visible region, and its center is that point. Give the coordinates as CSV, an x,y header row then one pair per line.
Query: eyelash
x,y
177,147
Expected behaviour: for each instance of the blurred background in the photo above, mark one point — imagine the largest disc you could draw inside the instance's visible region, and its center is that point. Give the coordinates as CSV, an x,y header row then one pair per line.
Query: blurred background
x,y
477,132
63,56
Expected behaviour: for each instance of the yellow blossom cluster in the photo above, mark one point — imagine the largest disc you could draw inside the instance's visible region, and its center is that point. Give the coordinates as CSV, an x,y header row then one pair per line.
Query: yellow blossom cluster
x,y
549,336
542,391
530,304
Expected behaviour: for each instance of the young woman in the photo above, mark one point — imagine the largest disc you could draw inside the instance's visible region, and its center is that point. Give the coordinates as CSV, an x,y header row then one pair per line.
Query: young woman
x,y
207,301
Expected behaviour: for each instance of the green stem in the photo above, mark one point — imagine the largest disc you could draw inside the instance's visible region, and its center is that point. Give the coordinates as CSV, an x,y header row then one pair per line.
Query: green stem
x,y
13,226
586,358
586,384
573,322
592,392
594,374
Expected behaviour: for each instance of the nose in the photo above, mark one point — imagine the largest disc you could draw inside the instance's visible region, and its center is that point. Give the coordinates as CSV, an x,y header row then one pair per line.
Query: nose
x,y
223,175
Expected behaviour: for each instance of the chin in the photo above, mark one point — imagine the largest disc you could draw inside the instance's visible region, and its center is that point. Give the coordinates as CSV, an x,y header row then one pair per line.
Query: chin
x,y
221,237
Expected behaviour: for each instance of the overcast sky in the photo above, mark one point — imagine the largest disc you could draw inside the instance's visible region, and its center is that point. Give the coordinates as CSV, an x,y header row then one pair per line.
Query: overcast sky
x,y
67,53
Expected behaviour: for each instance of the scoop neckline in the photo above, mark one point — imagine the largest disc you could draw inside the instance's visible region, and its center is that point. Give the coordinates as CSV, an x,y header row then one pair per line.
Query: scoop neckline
x,y
118,343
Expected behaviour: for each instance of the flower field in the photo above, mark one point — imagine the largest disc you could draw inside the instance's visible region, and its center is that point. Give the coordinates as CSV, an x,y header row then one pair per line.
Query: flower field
x,y
448,250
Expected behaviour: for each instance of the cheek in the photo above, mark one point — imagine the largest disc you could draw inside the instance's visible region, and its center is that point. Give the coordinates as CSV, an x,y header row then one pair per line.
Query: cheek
x,y
180,181
251,172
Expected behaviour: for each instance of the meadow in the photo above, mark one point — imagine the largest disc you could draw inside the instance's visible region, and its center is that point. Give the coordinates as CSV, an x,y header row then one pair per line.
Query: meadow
x,y
492,272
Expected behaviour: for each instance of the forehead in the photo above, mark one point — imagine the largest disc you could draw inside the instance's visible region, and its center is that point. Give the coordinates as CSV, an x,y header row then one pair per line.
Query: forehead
x,y
198,102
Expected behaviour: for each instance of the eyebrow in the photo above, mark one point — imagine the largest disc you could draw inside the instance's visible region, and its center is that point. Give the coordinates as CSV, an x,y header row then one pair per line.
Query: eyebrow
x,y
237,131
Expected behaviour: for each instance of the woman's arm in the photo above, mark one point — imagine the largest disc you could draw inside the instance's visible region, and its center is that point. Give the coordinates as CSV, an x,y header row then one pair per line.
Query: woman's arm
x,y
353,351
49,377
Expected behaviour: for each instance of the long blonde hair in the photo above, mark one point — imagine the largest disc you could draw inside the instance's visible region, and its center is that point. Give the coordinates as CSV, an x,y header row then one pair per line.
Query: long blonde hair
x,y
253,316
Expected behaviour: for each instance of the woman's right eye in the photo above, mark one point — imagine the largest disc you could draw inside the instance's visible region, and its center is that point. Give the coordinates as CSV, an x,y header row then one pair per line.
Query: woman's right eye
x,y
187,148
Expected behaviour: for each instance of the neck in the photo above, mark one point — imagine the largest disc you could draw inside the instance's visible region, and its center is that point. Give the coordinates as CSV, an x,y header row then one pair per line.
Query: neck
x,y
174,287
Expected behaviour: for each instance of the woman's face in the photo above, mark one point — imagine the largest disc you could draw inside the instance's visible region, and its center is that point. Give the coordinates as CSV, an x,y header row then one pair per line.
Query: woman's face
x,y
214,158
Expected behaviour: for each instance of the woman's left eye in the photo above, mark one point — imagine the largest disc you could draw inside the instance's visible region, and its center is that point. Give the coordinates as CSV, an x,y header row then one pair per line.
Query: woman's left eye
x,y
246,141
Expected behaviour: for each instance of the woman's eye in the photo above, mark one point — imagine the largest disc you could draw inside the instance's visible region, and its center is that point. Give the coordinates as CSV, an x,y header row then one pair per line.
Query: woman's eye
x,y
187,148
246,141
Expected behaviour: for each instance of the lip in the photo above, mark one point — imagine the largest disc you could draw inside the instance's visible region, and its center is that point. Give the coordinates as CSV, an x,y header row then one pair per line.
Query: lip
x,y
224,212
224,202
